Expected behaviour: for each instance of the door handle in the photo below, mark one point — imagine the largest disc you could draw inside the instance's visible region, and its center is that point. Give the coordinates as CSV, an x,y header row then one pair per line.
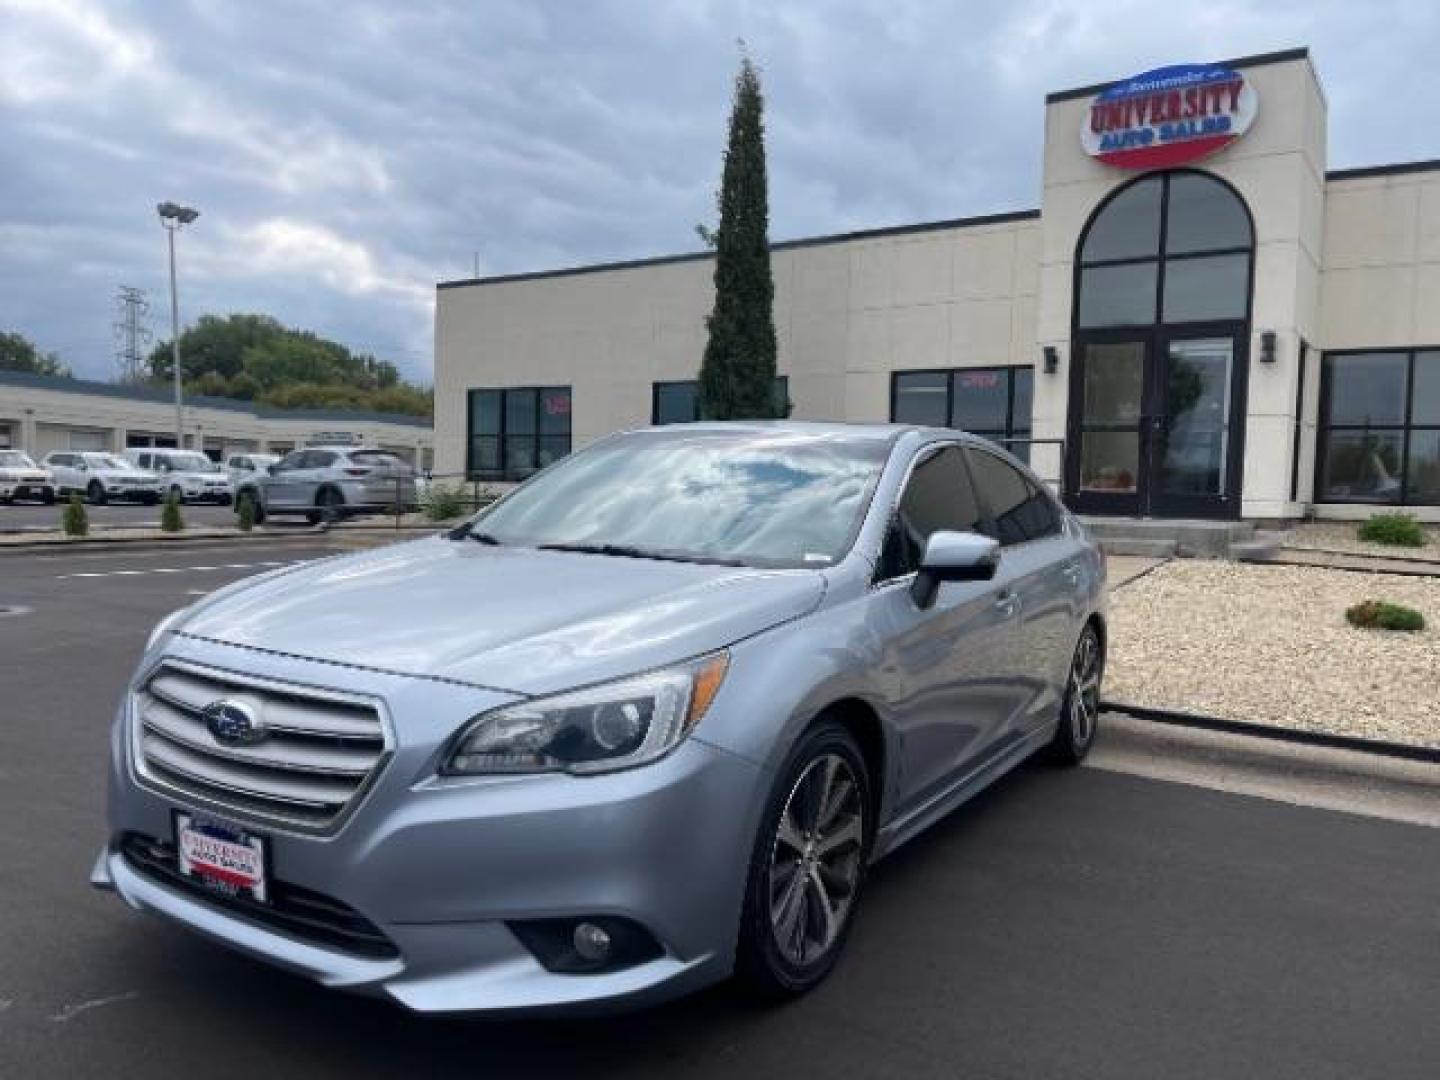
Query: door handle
x,y
1007,602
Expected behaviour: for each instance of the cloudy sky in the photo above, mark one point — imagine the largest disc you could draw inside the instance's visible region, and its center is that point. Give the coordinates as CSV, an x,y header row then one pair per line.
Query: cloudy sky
x,y
346,156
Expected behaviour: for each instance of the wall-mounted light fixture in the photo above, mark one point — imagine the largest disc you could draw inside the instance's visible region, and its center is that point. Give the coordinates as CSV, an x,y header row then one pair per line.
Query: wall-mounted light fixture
x,y
1267,346
1052,359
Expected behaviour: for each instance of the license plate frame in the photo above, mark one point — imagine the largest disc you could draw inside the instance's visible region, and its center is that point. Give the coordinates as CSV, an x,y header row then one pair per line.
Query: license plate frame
x,y
221,857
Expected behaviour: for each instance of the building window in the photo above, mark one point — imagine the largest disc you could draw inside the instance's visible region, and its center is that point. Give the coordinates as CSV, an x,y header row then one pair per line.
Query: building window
x,y
993,402
679,402
1380,427
515,431
1171,248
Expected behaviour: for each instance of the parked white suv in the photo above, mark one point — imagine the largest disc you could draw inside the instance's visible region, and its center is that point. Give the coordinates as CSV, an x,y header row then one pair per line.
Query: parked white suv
x,y
190,476
21,478
101,477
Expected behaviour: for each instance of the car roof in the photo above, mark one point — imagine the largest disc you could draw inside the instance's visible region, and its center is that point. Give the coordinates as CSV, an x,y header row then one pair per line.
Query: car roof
x,y
856,430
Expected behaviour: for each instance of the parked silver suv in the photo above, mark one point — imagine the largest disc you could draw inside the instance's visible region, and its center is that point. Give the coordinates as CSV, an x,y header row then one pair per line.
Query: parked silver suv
x,y
327,482
644,722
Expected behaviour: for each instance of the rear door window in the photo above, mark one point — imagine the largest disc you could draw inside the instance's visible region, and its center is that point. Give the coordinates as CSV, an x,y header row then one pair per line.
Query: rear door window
x,y
1018,509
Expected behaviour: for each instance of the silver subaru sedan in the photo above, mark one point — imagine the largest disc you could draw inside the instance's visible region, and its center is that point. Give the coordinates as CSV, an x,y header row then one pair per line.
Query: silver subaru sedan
x,y
639,726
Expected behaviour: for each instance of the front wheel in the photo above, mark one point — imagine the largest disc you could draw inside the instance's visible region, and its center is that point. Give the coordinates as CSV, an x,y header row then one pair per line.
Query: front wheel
x,y
808,866
95,492
1080,710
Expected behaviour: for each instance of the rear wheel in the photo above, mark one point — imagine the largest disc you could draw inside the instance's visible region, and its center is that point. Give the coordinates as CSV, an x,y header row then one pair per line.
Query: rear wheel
x,y
95,492
808,866
327,506
1080,711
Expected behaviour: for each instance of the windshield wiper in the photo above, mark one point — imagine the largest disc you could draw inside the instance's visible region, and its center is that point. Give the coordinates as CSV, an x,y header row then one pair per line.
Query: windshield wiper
x,y
626,551
483,538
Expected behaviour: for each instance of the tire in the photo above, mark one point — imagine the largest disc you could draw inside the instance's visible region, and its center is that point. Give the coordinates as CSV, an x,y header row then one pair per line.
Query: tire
x,y
150,499
95,492
328,502
1080,709
48,496
765,967
226,500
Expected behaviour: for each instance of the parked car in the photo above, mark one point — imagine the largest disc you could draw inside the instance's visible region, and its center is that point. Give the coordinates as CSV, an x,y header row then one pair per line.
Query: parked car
x,y
21,478
242,467
187,474
641,724
327,482
101,477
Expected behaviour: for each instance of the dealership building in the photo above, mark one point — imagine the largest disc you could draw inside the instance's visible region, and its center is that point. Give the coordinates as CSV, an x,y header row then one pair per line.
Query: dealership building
x,y
1200,320
41,413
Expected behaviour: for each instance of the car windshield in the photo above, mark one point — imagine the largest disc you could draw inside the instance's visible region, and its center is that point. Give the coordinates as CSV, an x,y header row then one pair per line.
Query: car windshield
x,y
14,459
191,463
770,499
106,461
376,457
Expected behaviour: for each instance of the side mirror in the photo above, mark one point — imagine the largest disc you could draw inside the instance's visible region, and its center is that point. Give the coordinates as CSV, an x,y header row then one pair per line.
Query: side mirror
x,y
953,556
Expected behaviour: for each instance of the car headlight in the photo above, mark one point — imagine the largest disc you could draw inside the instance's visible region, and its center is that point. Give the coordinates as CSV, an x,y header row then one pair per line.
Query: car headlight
x,y
614,726
163,628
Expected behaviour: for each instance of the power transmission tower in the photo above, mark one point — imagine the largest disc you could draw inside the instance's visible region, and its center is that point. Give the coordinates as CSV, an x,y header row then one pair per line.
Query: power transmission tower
x,y
131,333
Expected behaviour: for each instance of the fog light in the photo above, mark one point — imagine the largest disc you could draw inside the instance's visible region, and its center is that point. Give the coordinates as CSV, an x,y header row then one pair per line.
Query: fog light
x,y
592,943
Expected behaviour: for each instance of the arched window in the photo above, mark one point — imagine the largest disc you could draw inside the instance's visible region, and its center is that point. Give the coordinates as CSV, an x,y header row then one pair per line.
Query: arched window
x,y
1167,248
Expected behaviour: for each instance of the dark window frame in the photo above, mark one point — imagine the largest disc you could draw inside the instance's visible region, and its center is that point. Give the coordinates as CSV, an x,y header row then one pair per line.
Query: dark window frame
x,y
782,386
1012,432
1163,255
508,470
1324,429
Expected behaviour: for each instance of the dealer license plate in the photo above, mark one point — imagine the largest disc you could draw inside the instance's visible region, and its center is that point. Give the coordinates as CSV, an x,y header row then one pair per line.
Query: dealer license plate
x,y
221,857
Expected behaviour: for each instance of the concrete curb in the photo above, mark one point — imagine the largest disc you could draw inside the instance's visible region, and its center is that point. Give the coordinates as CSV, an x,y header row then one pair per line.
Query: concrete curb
x,y
1403,751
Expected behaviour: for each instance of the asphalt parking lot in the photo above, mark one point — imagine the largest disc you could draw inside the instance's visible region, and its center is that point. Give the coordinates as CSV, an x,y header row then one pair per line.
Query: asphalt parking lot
x,y
1086,923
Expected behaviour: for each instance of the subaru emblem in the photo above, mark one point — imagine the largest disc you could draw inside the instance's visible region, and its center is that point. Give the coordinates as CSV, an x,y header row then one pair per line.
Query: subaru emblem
x,y
233,723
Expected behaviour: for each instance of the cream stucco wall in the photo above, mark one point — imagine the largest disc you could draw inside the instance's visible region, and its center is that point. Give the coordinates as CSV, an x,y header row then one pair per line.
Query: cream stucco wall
x,y
848,312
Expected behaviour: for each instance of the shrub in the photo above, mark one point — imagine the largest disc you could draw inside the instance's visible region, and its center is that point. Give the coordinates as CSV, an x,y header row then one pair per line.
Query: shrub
x,y
170,519
75,521
245,512
1396,529
441,503
1384,615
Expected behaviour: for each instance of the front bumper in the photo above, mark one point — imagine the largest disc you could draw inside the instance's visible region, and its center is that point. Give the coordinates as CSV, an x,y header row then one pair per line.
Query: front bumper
x,y
29,487
441,867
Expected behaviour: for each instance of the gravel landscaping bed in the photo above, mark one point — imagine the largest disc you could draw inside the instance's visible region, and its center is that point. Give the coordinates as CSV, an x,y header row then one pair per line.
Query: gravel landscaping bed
x,y
1270,645
1340,536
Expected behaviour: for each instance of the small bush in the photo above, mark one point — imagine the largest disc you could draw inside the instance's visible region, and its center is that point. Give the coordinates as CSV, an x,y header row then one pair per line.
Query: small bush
x,y
75,521
441,503
245,512
1384,615
1399,530
170,519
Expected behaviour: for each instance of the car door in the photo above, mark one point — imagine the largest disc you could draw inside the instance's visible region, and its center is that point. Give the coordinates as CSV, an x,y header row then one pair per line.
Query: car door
x,y
63,468
283,489
941,664
1040,564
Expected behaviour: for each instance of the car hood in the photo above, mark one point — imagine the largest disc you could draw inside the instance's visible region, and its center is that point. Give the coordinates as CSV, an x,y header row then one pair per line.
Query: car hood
x,y
515,619
24,472
123,474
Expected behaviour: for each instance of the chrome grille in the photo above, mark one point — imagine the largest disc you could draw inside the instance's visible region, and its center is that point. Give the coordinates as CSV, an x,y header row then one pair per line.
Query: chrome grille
x,y
320,752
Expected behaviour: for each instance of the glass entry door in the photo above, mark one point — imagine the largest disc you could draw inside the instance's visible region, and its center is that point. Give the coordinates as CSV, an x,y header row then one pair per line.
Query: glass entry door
x,y
1153,429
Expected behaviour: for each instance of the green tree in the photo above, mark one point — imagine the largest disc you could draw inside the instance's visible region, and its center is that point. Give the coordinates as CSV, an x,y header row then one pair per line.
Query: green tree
x,y
256,358
74,520
18,353
737,376
170,519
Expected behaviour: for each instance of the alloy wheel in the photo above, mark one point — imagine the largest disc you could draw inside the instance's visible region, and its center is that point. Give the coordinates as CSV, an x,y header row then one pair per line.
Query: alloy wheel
x,y
1085,689
815,863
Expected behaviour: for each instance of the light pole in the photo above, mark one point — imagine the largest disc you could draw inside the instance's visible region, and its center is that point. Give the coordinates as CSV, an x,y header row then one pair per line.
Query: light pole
x,y
173,216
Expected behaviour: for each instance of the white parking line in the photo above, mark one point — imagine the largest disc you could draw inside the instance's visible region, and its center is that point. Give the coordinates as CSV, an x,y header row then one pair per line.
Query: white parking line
x,y
174,569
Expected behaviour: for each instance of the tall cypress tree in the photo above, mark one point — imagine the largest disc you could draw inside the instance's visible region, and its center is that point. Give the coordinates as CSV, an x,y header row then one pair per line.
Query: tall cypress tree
x,y
737,377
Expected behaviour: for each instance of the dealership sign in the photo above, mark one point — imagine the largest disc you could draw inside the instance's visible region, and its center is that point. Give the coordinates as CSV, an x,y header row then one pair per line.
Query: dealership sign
x,y
1168,116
